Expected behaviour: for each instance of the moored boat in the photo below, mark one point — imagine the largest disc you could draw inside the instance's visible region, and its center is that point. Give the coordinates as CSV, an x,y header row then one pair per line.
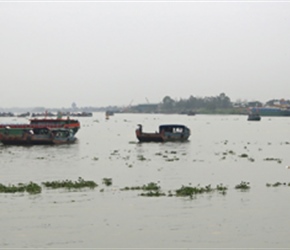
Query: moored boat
x,y
271,111
254,117
37,136
167,132
46,122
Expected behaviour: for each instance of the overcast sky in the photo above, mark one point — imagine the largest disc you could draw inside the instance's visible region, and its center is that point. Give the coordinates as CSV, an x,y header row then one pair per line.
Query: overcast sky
x,y
121,53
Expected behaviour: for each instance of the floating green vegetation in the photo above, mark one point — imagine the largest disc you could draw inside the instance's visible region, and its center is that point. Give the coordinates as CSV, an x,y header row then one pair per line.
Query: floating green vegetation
x,y
243,155
277,184
158,153
273,159
152,190
80,183
95,158
126,158
115,152
31,188
243,185
107,181
129,165
251,159
190,191
153,194
141,158
149,187
173,159
221,188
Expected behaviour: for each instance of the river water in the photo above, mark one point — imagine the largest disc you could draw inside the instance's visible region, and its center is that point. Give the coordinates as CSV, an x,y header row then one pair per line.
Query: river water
x,y
107,217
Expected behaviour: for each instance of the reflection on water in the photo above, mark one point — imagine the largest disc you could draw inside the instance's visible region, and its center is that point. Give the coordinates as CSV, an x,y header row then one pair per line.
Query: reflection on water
x,y
221,150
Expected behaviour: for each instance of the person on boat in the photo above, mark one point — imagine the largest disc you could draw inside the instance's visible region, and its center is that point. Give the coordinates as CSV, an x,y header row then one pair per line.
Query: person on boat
x,y
140,128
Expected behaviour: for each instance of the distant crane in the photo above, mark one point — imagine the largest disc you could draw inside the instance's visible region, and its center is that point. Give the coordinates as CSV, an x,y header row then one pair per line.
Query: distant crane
x,y
130,103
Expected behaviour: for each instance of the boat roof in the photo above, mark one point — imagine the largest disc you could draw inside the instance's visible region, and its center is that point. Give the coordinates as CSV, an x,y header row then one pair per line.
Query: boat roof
x,y
172,126
52,120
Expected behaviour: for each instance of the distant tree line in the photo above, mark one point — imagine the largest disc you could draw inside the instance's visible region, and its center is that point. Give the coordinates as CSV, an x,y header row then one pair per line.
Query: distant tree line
x,y
220,104
211,104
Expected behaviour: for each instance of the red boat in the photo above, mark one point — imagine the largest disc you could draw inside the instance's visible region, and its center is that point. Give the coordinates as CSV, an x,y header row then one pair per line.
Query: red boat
x,y
46,122
37,136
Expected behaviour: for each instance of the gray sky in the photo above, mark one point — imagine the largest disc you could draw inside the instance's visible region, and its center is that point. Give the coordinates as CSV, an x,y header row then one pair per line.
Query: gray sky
x,y
115,53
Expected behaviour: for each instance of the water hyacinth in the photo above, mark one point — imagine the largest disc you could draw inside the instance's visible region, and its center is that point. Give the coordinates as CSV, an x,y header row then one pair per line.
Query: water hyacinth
x,y
80,183
190,191
243,186
107,181
31,188
153,194
149,187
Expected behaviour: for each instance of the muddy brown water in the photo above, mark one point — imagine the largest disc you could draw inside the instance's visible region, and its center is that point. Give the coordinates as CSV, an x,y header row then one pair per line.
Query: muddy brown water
x,y
107,217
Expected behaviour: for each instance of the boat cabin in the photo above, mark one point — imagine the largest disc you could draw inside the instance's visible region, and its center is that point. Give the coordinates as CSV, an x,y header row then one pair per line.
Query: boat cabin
x,y
172,128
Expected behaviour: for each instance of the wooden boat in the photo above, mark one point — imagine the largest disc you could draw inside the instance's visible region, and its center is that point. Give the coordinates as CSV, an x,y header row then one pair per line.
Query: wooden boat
x,y
46,122
37,136
167,132
254,117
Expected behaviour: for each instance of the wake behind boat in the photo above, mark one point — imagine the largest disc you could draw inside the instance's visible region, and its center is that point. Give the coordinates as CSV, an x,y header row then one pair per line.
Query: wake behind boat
x,y
167,132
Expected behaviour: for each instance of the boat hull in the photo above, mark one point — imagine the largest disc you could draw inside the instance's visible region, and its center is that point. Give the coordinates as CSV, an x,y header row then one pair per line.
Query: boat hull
x,y
37,136
271,111
254,117
149,137
19,142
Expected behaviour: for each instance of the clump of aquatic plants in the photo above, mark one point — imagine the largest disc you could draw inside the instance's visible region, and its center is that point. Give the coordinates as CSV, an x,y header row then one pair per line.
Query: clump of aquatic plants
x,y
150,190
151,186
172,159
141,158
221,188
190,191
273,159
277,184
153,193
68,184
31,188
107,181
243,185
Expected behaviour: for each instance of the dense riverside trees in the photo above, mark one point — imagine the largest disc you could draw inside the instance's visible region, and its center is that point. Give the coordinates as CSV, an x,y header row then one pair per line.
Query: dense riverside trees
x,y
196,104
220,104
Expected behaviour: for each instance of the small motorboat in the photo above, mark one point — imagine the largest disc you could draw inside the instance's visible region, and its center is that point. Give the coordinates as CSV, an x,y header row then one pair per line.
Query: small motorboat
x,y
167,132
